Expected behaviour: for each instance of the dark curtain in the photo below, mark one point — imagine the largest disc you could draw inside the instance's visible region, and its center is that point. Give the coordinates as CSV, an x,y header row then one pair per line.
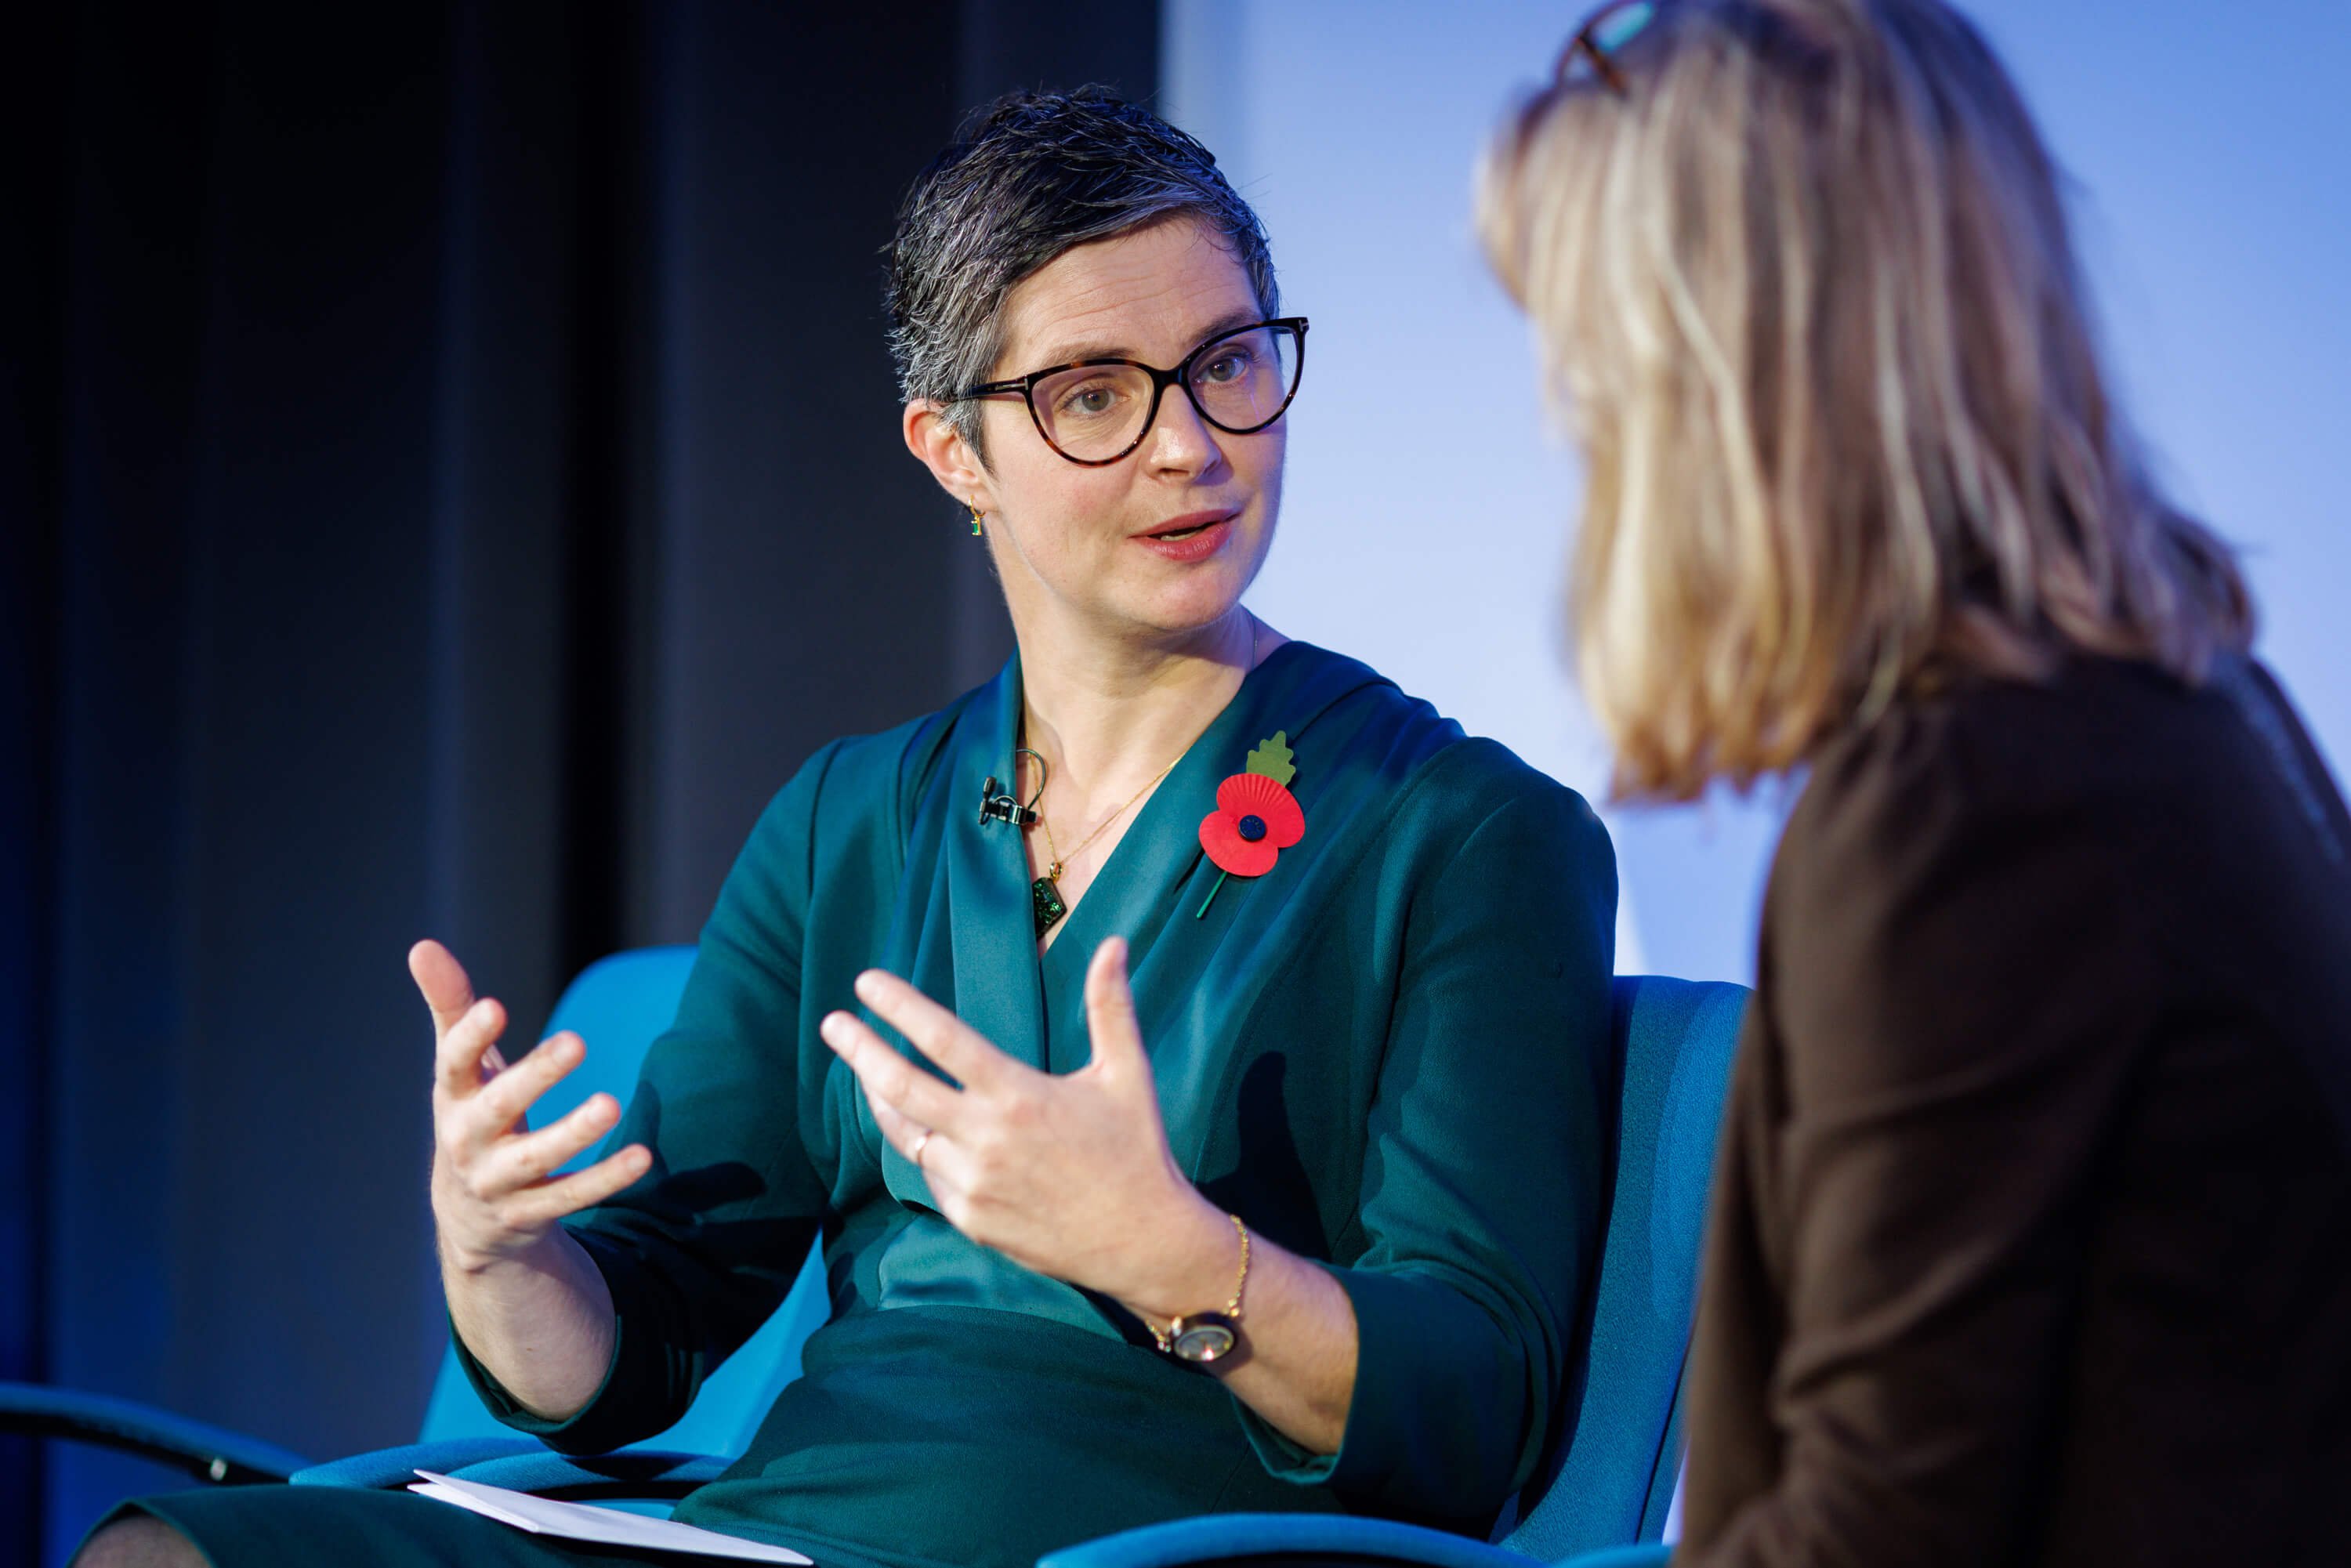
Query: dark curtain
x,y
451,478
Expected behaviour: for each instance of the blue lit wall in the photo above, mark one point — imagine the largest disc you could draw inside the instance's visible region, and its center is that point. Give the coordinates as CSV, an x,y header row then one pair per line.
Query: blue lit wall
x,y
1427,508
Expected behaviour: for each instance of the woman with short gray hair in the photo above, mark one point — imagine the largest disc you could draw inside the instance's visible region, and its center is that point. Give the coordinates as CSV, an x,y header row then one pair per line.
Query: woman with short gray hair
x,y
1222,1128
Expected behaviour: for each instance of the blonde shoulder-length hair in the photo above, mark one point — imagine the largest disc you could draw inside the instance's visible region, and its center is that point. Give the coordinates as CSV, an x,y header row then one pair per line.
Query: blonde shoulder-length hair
x,y
1805,293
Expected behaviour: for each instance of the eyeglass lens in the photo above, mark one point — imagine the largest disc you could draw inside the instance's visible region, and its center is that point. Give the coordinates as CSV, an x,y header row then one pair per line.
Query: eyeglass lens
x,y
1605,33
1238,383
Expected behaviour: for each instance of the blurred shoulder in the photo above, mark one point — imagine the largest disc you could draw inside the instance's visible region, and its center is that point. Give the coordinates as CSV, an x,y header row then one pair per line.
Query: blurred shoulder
x,y
2108,758
1937,768
1963,881
2113,740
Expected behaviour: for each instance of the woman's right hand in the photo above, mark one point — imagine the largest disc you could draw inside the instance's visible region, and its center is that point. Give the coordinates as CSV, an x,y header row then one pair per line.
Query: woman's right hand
x,y
492,1198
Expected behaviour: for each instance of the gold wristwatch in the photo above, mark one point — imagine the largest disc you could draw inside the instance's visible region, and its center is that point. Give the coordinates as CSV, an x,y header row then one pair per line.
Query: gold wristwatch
x,y
1204,1337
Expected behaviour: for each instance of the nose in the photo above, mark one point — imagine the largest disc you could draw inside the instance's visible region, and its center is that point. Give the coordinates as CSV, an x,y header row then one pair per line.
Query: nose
x,y
1181,444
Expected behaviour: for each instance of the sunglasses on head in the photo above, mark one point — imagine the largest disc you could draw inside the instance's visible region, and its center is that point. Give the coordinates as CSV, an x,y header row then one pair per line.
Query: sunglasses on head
x,y
1590,55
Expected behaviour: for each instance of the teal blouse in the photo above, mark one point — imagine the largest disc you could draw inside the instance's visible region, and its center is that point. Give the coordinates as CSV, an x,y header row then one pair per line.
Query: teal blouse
x,y
1386,1054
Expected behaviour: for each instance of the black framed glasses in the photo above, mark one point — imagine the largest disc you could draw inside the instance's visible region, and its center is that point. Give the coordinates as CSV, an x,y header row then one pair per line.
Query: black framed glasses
x,y
1095,412
1591,54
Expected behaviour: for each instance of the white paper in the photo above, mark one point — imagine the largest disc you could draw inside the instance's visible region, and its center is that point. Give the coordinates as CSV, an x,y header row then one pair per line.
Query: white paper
x,y
605,1526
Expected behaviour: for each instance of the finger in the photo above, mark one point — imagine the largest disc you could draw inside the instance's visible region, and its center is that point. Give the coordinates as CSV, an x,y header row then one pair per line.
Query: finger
x,y
945,1165
448,991
939,1157
583,1190
1111,1024
506,1098
888,1078
901,1132
959,1050
517,1162
466,1047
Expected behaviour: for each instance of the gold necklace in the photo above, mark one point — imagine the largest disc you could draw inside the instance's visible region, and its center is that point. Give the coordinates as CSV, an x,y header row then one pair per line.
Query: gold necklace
x,y
1044,893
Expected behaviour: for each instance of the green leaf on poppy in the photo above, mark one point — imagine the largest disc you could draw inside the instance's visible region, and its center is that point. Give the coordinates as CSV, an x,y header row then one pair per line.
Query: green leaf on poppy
x,y
1272,759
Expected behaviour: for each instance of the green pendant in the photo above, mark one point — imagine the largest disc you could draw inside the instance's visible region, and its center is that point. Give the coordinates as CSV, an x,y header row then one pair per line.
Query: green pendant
x,y
1046,899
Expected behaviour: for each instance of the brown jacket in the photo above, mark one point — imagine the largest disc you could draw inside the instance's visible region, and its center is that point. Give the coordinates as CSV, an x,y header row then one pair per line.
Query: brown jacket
x,y
2031,1241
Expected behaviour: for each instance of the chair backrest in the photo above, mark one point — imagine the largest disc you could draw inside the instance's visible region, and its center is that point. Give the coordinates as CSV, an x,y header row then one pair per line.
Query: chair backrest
x,y
619,1005
1610,1478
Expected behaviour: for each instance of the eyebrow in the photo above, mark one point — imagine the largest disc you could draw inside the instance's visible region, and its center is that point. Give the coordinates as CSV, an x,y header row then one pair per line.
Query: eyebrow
x,y
1099,348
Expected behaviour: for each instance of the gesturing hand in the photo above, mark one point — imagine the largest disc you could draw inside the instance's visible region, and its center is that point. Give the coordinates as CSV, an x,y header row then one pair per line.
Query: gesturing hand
x,y
1069,1176
491,1195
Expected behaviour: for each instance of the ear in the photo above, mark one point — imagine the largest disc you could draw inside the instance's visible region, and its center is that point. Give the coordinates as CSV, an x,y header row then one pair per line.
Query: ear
x,y
935,441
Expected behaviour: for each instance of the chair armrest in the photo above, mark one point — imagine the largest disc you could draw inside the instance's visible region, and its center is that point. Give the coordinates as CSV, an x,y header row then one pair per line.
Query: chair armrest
x,y
630,1473
1651,1554
381,1469
207,1452
1219,1537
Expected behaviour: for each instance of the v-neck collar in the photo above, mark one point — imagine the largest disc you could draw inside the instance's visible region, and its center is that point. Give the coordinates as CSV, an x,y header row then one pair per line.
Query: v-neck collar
x,y
1160,847
1001,982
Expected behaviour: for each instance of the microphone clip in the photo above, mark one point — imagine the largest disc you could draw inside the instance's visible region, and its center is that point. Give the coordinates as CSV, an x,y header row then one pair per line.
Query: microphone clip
x,y
998,806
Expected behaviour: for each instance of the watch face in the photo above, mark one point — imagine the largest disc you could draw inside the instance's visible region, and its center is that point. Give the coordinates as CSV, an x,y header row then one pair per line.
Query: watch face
x,y
1203,1336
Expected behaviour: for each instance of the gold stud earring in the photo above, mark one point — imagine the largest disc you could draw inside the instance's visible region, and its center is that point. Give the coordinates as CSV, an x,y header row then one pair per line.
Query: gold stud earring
x,y
976,530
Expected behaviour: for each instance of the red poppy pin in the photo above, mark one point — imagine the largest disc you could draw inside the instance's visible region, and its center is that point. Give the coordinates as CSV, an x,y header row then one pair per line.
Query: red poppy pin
x,y
1255,817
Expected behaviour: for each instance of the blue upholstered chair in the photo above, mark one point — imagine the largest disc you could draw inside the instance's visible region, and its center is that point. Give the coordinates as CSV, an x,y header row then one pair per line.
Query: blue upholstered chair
x,y
1609,1481
1603,1498
618,1005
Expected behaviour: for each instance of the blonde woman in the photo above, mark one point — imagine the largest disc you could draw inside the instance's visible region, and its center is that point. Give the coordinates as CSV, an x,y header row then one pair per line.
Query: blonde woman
x,y
2031,1239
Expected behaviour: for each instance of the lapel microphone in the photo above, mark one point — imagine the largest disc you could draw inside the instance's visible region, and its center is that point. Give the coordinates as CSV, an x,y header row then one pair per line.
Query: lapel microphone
x,y
997,806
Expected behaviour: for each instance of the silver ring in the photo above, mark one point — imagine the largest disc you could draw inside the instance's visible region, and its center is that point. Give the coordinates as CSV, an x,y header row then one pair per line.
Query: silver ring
x,y
915,1152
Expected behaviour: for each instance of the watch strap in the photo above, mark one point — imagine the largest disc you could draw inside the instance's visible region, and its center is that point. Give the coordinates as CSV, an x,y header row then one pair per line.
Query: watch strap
x,y
1170,1337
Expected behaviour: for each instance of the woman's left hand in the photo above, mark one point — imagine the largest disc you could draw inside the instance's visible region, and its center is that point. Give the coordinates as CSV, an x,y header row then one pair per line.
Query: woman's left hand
x,y
1069,1176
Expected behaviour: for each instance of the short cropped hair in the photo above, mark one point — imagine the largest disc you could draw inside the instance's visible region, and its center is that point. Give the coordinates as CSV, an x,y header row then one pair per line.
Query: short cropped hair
x,y
1029,177
1806,294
